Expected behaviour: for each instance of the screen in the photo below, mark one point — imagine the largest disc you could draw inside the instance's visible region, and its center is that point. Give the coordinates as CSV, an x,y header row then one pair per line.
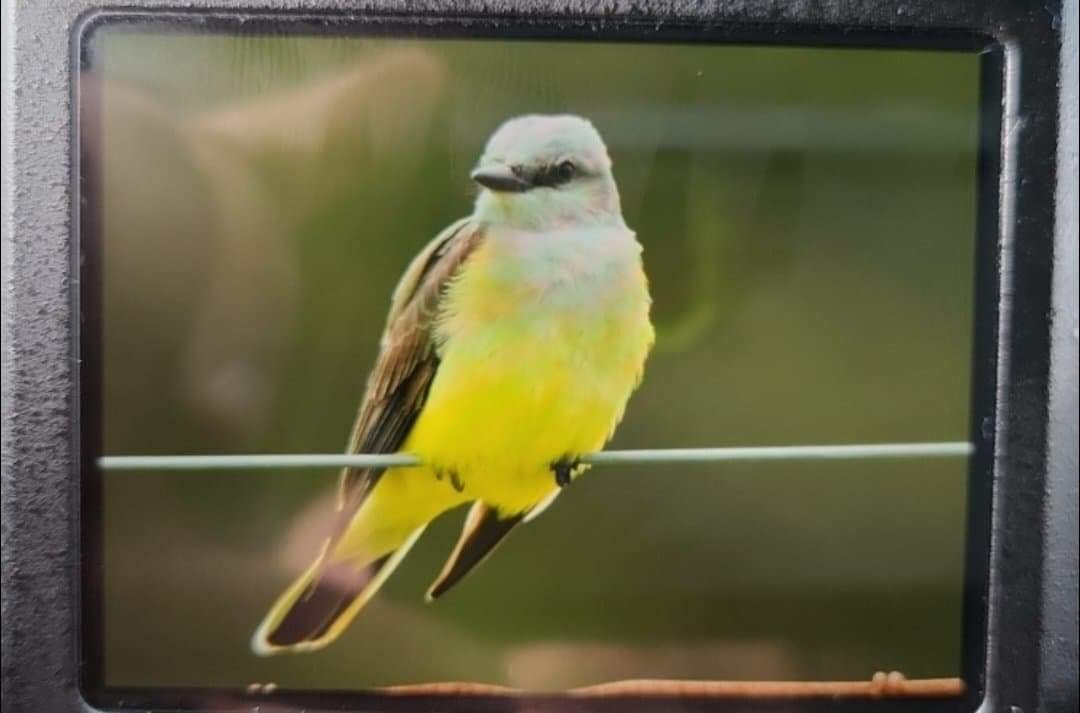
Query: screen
x,y
680,246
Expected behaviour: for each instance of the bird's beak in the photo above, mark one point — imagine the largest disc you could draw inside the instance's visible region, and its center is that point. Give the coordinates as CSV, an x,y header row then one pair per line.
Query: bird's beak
x,y
500,179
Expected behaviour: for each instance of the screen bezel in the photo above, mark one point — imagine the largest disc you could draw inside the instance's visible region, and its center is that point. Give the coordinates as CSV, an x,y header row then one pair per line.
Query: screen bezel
x,y
984,361
1031,652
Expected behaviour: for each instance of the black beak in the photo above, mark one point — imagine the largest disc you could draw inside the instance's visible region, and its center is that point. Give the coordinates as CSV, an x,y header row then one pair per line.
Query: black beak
x,y
500,179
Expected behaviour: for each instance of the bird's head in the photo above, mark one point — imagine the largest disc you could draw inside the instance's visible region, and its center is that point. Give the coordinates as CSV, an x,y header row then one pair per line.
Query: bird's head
x,y
543,172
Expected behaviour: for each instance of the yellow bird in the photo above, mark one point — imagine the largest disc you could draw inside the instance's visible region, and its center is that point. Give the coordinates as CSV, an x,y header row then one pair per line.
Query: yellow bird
x,y
513,343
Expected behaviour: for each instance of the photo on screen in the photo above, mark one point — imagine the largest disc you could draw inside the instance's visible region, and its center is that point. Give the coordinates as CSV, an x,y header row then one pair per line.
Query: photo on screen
x,y
494,258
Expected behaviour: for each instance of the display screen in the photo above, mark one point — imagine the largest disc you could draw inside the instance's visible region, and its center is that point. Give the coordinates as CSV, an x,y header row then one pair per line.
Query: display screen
x,y
497,257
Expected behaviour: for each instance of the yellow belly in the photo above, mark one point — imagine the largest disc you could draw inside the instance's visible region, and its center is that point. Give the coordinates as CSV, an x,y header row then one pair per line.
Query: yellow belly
x,y
514,395
495,428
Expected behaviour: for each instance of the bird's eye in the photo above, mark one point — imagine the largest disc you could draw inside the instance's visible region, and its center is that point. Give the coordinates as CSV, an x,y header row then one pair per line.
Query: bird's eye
x,y
565,171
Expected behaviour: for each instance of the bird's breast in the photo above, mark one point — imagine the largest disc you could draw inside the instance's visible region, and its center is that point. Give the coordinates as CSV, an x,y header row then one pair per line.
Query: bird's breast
x,y
540,348
564,300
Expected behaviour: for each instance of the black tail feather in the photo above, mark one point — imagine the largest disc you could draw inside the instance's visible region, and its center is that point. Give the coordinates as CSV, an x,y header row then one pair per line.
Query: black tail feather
x,y
323,601
484,530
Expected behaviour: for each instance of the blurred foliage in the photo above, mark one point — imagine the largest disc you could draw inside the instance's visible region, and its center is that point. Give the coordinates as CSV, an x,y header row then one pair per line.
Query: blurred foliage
x,y
808,222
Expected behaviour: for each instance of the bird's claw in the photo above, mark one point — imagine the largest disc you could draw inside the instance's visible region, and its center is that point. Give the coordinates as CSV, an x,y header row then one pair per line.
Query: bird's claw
x,y
564,470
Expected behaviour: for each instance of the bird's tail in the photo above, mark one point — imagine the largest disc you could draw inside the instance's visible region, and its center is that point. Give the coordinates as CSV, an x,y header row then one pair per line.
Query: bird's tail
x,y
318,606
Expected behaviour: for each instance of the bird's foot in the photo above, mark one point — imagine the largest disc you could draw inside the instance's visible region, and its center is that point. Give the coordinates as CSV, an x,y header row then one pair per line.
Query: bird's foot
x,y
564,470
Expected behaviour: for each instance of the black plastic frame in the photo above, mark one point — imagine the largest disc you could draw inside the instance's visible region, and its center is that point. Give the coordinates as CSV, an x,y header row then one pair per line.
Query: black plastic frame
x,y
1027,352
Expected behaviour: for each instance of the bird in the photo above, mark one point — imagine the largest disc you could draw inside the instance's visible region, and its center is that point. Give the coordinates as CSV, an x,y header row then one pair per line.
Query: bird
x,y
513,343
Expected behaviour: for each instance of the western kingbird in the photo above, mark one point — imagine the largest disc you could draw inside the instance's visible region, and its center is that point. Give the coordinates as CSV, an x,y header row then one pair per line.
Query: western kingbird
x,y
513,343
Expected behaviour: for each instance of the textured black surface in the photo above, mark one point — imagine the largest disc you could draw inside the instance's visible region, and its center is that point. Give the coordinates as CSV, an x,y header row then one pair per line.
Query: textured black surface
x,y
1032,620
1059,675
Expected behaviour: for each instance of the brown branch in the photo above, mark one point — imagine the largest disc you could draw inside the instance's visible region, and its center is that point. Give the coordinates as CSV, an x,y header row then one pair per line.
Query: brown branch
x,y
882,685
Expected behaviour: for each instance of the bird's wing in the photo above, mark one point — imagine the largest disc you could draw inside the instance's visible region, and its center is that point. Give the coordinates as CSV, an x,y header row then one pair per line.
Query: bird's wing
x,y
398,384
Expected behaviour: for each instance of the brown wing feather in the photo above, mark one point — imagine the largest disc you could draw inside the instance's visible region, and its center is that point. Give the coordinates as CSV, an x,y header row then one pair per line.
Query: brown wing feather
x,y
398,384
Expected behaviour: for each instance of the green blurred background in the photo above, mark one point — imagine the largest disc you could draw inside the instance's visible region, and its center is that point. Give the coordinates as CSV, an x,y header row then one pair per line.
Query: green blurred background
x,y
808,223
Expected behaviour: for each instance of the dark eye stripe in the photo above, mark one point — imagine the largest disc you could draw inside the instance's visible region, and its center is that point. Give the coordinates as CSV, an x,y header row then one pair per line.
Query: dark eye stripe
x,y
556,174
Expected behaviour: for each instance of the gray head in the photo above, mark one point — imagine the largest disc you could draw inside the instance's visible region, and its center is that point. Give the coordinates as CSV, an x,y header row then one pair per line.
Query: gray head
x,y
544,171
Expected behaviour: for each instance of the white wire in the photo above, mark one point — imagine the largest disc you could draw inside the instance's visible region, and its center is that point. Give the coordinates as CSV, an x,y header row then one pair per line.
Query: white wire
x,y
661,455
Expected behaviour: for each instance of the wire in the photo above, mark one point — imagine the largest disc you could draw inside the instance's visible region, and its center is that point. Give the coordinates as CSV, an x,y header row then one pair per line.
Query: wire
x,y
661,455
